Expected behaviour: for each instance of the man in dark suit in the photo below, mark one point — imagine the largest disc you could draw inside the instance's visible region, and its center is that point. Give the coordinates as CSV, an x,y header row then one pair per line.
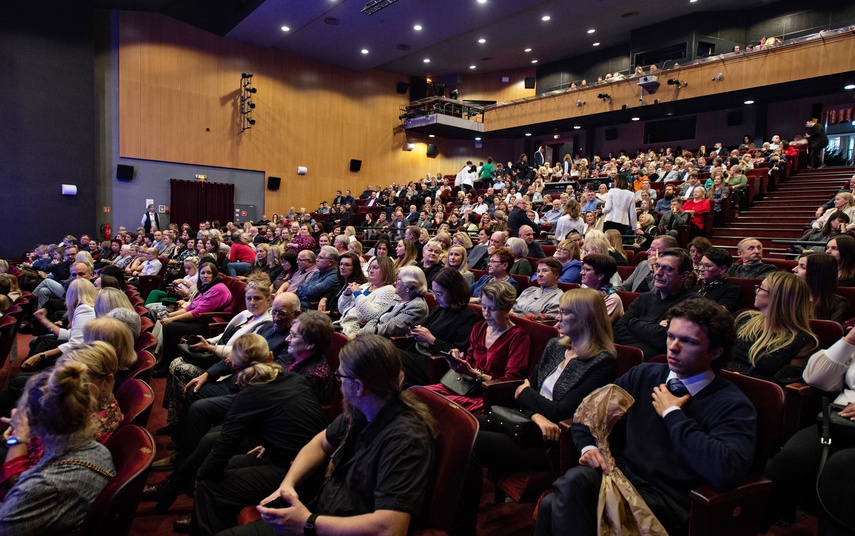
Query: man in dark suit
x,y
348,199
817,140
367,193
699,430
539,157
518,217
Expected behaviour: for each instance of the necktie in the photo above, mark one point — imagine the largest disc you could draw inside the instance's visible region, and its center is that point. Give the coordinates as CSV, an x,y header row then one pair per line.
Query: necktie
x,y
677,388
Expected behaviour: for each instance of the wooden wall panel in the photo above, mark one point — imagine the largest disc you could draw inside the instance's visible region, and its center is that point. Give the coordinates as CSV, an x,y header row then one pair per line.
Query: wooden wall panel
x,y
489,86
819,57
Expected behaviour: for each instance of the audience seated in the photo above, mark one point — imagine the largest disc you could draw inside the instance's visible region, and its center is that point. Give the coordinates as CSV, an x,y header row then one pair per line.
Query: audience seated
x,y
408,309
752,267
820,273
713,282
541,301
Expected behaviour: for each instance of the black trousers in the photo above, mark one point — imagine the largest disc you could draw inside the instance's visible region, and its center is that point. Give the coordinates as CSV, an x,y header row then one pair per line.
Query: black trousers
x,y
572,508
624,229
172,334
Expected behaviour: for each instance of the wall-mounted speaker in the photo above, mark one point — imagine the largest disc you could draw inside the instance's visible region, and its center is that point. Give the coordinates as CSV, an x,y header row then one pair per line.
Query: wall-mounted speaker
x,y
273,183
355,165
431,150
529,82
402,88
124,173
611,134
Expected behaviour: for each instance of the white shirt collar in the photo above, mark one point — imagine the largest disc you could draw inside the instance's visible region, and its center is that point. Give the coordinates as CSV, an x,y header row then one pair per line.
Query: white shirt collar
x,y
695,384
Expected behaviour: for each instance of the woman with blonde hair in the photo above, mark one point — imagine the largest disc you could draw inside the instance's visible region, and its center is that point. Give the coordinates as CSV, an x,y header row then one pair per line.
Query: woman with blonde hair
x,y
574,364
58,406
500,222
457,258
118,335
108,299
569,255
80,301
462,239
774,342
615,240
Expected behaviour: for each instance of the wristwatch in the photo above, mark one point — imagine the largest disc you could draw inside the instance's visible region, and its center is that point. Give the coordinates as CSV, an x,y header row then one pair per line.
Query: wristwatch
x,y
12,441
309,527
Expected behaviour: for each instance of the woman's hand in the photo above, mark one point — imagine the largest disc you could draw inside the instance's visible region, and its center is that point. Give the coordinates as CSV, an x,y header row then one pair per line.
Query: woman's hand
x,y
258,451
31,362
848,412
423,334
550,430
322,305
526,384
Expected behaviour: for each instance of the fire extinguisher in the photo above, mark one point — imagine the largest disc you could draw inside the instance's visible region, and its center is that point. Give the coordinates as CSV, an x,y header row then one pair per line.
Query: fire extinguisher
x,y
106,231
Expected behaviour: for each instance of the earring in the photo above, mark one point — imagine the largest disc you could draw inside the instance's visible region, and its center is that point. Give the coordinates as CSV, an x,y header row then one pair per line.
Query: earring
x,y
105,402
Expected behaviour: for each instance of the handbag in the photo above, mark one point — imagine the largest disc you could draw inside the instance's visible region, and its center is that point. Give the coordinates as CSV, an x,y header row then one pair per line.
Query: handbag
x,y
460,384
513,423
832,428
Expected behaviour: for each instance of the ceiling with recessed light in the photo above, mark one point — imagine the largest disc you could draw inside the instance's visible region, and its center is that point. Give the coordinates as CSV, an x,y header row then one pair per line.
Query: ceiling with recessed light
x,y
338,33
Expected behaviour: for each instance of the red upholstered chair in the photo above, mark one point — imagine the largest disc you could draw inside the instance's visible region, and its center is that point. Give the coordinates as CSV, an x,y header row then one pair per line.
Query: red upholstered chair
x,y
746,289
478,274
146,341
627,297
141,310
135,398
146,324
431,301
7,337
827,332
523,282
568,286
215,322
113,511
785,265
142,368
737,512
454,443
147,283
625,271
638,258
136,300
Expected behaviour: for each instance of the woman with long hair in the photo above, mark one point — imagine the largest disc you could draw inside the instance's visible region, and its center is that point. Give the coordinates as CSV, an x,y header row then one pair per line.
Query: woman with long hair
x,y
597,271
457,259
774,342
574,364
405,254
349,272
212,295
288,262
842,248
615,240
58,407
820,273
359,303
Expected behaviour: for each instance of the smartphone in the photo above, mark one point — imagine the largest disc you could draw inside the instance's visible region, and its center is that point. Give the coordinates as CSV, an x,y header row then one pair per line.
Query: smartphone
x,y
278,502
410,325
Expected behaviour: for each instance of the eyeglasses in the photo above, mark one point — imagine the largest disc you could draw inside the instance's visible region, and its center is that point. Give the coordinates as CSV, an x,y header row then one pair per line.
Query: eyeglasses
x,y
282,313
758,288
338,376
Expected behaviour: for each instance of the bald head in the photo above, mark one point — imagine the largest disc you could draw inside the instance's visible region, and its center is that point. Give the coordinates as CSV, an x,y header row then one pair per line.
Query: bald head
x,y
286,307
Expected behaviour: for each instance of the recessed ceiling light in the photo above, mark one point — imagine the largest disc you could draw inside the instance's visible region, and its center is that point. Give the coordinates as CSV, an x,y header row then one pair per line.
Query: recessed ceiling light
x,y
528,50
692,1
597,44
528,134
591,31
749,102
426,60
545,18
364,51
576,127
286,29
471,66
534,61
417,27
482,40
431,135
482,1
636,119
477,139
850,86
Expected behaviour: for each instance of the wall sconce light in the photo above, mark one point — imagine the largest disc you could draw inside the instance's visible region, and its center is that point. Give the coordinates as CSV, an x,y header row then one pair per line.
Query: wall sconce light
x,y
580,102
680,84
719,77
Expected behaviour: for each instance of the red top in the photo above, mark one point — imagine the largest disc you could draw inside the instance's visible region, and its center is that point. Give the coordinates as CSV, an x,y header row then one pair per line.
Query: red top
x,y
701,207
241,253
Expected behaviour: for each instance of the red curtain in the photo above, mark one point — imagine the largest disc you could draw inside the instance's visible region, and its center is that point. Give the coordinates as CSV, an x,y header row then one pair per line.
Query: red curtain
x,y
844,114
195,201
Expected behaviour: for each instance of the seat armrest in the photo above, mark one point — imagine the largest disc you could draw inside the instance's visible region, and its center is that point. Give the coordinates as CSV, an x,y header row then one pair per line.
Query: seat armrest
x,y
400,341
500,392
753,485
569,454
437,367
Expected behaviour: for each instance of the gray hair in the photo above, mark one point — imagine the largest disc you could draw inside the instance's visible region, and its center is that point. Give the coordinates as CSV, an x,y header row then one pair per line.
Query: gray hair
x,y
128,317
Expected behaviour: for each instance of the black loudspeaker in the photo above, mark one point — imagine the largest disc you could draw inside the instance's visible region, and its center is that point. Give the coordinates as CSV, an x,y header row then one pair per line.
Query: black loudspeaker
x,y
402,88
355,165
734,118
124,173
431,150
529,82
273,183
611,134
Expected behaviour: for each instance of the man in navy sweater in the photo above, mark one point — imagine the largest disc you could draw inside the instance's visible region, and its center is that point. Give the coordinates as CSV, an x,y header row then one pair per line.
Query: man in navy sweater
x,y
698,431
